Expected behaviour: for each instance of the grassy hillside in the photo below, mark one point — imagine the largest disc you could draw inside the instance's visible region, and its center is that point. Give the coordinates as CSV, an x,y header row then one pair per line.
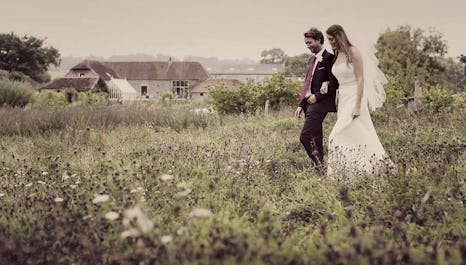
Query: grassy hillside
x,y
144,185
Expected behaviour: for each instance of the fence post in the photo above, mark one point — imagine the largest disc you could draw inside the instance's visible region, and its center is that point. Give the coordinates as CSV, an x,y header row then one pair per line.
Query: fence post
x,y
266,108
417,94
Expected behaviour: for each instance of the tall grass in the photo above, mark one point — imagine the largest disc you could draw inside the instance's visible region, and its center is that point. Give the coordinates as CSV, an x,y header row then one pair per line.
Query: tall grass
x,y
14,93
262,202
34,121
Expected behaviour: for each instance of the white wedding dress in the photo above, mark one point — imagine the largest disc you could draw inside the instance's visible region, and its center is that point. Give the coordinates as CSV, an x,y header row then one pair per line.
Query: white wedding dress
x,y
354,147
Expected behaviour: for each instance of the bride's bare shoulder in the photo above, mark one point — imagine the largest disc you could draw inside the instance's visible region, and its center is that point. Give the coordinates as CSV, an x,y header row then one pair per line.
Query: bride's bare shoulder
x,y
355,53
354,50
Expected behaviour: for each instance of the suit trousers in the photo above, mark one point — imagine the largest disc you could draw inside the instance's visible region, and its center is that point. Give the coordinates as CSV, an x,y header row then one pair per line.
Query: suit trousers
x,y
312,137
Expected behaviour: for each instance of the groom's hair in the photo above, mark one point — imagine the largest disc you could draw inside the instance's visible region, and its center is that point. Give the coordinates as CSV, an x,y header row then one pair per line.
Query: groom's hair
x,y
315,34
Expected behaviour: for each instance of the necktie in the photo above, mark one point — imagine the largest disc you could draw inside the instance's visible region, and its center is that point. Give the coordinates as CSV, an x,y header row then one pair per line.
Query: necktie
x,y
308,79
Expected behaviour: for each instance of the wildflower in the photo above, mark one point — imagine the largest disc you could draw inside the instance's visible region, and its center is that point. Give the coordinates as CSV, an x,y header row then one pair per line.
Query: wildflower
x,y
58,199
100,198
73,186
41,182
2,194
166,177
182,194
45,173
87,217
166,239
112,216
29,184
144,224
426,197
182,230
181,184
136,190
130,233
65,176
200,212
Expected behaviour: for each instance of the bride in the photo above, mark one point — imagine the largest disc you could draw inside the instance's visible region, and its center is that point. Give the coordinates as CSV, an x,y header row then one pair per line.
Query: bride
x,y
354,147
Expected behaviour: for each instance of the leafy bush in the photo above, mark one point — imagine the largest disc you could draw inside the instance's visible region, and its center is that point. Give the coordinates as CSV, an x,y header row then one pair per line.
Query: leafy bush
x,y
166,96
14,93
17,76
90,98
437,99
49,99
250,97
459,101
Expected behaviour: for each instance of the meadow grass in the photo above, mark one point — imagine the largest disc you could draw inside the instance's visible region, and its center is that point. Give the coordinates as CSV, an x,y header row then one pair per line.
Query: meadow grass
x,y
189,189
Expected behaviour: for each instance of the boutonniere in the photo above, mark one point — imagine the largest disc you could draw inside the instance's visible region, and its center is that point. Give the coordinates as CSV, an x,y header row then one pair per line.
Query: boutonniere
x,y
319,58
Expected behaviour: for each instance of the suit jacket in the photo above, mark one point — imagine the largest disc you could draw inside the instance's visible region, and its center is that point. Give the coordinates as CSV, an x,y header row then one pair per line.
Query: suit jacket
x,y
322,73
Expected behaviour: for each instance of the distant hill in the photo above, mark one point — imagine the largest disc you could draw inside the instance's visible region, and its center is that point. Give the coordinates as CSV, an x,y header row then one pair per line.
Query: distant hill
x,y
67,62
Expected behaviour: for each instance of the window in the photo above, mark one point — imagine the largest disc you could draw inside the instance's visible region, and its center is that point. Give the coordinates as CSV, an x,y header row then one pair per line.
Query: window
x,y
144,91
81,74
180,88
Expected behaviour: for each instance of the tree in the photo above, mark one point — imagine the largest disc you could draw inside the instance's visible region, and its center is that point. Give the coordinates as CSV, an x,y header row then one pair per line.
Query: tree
x,y
409,54
296,66
273,56
463,60
27,55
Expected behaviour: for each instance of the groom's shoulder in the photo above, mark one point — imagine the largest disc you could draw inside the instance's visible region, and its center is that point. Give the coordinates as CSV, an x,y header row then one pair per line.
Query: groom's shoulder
x,y
328,54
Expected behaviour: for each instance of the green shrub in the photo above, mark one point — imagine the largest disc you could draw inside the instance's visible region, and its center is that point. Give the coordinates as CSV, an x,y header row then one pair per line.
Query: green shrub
x,y
90,98
17,76
49,99
250,97
459,101
14,93
437,99
166,96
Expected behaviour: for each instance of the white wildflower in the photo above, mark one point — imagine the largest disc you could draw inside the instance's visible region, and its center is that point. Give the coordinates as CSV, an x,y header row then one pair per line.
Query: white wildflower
x,y
182,230
139,215
29,184
58,199
182,194
41,182
112,216
166,177
101,198
45,173
130,233
426,197
2,194
87,217
65,176
166,239
77,182
181,185
200,212
73,186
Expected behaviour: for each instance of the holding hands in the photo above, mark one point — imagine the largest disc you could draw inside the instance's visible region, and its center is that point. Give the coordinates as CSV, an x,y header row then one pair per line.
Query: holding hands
x,y
324,87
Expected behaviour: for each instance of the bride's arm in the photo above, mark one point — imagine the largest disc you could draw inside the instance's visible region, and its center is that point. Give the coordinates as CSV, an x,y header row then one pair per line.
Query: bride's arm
x,y
359,73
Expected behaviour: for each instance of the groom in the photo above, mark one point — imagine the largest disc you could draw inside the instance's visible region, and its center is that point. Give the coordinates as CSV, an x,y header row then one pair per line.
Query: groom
x,y
314,104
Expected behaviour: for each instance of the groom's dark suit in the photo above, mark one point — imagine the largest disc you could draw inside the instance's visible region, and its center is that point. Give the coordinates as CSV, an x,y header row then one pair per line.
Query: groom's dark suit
x,y
311,134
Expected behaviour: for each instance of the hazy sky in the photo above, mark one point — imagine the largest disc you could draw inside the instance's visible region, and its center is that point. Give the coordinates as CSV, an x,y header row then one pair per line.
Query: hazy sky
x,y
233,29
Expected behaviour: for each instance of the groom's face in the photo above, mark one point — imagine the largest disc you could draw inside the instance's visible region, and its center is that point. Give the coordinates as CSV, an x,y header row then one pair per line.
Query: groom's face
x,y
312,44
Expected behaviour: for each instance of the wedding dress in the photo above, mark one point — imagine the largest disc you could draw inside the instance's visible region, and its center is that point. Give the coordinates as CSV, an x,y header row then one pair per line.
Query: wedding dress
x,y
354,147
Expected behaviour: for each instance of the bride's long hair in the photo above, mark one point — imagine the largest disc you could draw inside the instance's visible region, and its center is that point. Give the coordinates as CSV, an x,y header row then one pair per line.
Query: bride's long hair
x,y
344,45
